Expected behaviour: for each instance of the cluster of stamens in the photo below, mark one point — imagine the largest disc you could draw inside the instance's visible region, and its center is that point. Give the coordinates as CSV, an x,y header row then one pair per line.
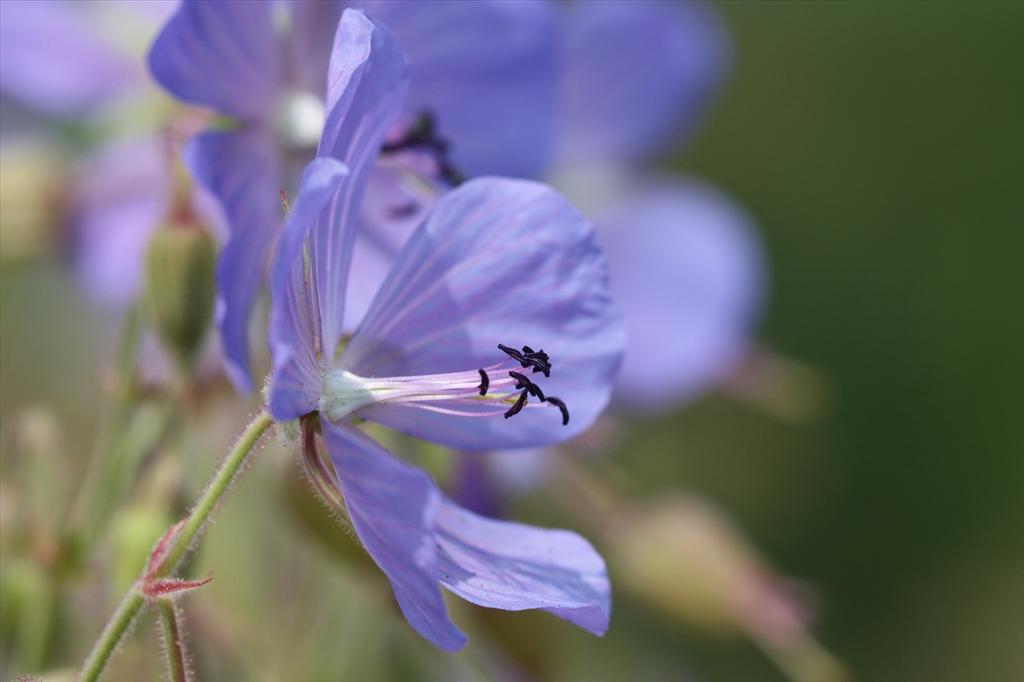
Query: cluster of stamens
x,y
422,136
528,358
461,393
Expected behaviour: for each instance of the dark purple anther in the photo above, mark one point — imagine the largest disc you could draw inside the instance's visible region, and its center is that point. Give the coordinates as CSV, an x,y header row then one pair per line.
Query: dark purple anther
x,y
557,402
519,405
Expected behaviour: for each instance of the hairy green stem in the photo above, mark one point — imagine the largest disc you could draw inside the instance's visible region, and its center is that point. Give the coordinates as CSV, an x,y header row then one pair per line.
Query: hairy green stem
x,y
115,629
174,646
214,491
133,601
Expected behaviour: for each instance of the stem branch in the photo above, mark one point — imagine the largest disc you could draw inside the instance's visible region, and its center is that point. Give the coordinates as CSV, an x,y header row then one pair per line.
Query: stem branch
x,y
132,602
174,645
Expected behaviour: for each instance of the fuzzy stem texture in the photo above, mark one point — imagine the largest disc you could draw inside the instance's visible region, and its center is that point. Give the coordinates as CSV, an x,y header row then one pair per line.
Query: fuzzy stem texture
x,y
133,601
174,645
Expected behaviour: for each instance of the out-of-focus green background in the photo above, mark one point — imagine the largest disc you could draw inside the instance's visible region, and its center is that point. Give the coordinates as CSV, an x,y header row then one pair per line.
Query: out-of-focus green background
x,y
879,146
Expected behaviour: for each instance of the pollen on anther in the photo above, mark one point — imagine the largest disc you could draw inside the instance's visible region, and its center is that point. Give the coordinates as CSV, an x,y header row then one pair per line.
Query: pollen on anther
x,y
485,382
522,381
514,354
517,406
538,360
557,402
536,354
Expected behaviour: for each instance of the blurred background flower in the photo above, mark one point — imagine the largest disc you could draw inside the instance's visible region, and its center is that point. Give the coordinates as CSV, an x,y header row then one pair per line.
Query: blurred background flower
x,y
872,147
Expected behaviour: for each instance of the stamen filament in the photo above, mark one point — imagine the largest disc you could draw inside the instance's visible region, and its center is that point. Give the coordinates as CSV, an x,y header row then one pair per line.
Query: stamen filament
x,y
500,384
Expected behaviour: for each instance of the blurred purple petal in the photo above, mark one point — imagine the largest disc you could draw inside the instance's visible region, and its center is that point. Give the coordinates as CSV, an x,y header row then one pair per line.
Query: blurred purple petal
x,y
392,506
419,538
240,170
473,486
52,59
487,70
391,211
638,75
219,54
497,261
117,196
313,26
294,314
687,265
117,199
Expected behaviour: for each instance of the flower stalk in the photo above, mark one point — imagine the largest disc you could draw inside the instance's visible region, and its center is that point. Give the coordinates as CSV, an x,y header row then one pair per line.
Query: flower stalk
x,y
175,549
174,644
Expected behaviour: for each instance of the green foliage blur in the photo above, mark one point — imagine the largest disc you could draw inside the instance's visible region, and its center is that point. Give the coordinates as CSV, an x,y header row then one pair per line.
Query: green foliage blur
x,y
879,147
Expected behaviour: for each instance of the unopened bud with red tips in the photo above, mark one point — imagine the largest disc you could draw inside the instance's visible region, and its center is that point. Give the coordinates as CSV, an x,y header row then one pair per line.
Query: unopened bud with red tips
x,y
178,289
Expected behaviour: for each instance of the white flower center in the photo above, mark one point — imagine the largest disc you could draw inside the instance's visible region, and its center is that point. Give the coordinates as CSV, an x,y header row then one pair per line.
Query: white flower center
x,y
300,119
344,393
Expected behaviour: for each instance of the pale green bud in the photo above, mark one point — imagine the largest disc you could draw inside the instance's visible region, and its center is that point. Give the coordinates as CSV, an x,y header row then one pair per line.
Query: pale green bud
x,y
686,558
134,532
28,606
178,290
681,557
30,197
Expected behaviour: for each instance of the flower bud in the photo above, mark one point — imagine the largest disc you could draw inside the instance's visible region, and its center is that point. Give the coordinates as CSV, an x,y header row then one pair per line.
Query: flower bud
x,y
31,186
29,607
138,525
685,558
178,290
133,532
42,472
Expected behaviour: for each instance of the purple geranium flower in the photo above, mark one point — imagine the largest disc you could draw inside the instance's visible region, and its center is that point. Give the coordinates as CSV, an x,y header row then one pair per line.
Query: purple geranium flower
x,y
265,69
58,57
494,260
686,263
634,78
117,196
